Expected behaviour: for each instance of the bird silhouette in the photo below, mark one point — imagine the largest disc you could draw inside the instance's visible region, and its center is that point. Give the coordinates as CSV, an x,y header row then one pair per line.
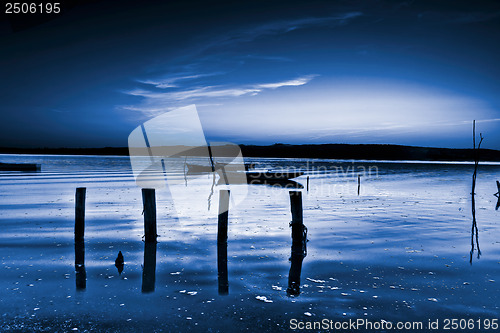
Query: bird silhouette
x,y
119,262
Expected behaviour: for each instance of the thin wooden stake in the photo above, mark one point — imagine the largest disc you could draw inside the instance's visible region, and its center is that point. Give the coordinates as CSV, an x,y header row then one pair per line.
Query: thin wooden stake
x,y
359,183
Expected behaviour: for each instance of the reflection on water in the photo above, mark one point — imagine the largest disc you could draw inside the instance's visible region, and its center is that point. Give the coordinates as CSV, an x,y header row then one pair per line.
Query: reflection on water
x,y
474,237
149,267
298,253
497,195
80,273
222,242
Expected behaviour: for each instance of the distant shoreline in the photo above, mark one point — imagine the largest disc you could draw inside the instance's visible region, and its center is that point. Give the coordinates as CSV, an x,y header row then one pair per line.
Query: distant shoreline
x,y
320,151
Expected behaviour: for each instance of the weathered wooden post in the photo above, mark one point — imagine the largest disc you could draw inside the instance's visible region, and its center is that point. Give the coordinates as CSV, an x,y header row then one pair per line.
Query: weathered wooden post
x,y
80,213
149,206
222,242
298,243
296,208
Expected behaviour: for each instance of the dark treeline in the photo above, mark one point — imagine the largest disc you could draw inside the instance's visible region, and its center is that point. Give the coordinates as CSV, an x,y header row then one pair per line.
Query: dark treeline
x,y
326,151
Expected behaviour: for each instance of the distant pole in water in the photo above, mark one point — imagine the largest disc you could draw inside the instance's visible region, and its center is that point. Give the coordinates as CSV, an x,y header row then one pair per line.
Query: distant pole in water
x,y
359,183
222,242
475,231
307,183
149,205
80,213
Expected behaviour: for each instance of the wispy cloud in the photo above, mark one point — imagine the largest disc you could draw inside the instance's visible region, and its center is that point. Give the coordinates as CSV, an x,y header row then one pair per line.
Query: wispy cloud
x,y
171,82
159,101
218,91
290,83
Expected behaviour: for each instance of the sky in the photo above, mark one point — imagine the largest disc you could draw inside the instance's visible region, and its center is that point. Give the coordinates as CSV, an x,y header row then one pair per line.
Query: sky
x,y
259,72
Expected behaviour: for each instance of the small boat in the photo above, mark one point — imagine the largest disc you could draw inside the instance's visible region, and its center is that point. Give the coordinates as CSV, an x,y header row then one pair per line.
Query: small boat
x,y
277,179
19,167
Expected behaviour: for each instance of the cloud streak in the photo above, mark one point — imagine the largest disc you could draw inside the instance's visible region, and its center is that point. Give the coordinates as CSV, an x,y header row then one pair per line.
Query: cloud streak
x,y
159,101
171,82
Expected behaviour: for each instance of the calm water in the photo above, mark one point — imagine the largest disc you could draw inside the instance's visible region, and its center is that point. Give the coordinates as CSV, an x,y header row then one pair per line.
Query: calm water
x,y
398,251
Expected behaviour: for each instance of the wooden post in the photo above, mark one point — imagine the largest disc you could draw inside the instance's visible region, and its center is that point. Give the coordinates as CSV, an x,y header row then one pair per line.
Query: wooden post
x,y
222,242
307,183
298,243
296,207
149,206
80,213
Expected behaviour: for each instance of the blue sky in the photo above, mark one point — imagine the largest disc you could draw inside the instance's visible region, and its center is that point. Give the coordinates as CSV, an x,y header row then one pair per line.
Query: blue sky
x,y
398,72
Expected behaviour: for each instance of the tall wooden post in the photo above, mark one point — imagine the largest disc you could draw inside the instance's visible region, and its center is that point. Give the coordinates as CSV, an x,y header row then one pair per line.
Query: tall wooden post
x,y
222,242
80,213
296,208
149,205
298,243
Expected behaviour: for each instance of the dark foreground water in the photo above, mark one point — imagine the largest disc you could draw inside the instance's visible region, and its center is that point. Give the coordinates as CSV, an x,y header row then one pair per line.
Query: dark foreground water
x,y
400,251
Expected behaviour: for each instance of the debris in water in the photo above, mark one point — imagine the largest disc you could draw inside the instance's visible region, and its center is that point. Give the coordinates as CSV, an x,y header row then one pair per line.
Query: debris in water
x,y
119,262
263,299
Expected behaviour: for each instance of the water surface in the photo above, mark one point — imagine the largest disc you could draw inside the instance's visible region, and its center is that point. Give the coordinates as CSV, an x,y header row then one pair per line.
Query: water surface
x,y
398,251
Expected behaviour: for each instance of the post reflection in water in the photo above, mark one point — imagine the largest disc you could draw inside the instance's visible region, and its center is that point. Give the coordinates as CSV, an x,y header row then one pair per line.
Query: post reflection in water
x,y
149,267
80,273
498,196
298,251
474,237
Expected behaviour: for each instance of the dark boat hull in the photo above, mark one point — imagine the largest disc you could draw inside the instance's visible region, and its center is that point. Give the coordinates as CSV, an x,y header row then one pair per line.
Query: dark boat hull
x,y
19,167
